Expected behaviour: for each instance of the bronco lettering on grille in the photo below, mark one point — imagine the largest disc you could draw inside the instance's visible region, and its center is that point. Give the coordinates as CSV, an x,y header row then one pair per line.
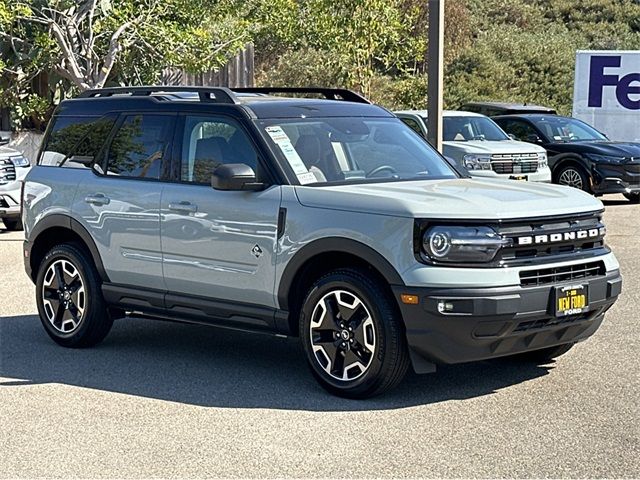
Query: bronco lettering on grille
x,y
561,237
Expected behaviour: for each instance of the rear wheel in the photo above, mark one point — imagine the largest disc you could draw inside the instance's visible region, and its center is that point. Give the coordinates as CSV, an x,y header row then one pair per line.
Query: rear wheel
x,y
70,302
546,354
352,335
574,176
12,224
633,197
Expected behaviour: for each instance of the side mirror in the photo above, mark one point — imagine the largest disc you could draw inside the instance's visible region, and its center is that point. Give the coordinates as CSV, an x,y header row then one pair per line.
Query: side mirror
x,y
512,136
4,140
532,138
235,176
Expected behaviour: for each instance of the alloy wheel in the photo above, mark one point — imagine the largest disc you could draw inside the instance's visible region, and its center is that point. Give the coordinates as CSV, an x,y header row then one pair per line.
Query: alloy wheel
x,y
343,336
572,178
63,296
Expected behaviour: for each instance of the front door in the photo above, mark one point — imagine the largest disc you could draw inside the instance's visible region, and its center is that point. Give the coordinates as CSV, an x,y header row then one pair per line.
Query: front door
x,y
218,246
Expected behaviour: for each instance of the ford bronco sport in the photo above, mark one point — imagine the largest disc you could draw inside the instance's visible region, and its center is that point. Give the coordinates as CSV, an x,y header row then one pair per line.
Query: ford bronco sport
x,y
323,218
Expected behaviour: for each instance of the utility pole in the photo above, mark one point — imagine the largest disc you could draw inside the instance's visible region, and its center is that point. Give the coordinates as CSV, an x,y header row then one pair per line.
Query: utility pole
x,y
435,72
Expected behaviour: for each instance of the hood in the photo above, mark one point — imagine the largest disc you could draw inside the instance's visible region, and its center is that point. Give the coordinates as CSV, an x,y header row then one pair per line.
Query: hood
x,y
492,146
452,199
8,152
614,149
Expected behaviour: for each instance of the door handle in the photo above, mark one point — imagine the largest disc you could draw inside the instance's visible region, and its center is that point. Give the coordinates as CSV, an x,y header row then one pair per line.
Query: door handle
x,y
97,199
183,207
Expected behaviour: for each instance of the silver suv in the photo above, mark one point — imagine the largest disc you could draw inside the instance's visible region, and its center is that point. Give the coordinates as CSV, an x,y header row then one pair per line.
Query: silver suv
x,y
323,218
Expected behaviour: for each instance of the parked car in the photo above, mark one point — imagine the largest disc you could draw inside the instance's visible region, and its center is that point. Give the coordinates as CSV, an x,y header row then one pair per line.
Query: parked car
x,y
13,168
491,109
476,143
325,219
579,155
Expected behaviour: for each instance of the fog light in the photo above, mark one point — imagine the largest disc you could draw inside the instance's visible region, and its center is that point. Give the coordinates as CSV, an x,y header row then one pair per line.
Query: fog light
x,y
445,307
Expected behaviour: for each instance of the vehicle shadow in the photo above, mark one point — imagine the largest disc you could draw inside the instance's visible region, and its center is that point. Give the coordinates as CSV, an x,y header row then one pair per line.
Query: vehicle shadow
x,y
211,367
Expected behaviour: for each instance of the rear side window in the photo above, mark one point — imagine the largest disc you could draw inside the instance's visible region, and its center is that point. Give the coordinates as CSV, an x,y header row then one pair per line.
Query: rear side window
x,y
75,142
139,146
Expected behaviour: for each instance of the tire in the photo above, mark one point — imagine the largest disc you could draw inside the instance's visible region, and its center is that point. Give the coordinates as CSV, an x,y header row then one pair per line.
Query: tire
x,y
86,320
545,355
12,225
632,197
574,176
372,335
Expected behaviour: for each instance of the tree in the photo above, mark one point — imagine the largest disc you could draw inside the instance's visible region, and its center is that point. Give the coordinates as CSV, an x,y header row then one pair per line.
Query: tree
x,y
86,42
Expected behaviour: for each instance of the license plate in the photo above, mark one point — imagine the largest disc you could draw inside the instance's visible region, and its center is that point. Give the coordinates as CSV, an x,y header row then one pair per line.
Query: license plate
x,y
571,300
519,177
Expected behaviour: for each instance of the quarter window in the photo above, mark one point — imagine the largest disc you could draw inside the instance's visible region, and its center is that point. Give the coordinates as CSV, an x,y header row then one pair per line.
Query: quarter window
x,y
139,146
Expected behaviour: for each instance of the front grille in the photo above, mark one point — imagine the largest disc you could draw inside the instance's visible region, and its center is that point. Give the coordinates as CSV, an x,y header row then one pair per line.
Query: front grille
x,y
545,276
554,321
7,171
517,253
514,163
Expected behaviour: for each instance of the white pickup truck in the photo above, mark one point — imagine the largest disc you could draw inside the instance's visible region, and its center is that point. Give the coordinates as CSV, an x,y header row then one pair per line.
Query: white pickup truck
x,y
479,145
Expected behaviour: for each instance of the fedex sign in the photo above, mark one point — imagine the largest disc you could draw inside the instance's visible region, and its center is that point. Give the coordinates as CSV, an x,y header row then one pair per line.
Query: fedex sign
x,y
606,92
625,86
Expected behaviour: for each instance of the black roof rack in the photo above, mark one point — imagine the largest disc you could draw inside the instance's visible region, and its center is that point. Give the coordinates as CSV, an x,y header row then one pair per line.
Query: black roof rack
x,y
328,93
206,94
223,94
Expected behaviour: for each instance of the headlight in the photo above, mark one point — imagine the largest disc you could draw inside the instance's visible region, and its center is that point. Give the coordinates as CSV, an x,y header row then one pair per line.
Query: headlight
x,y
461,244
20,161
542,160
604,158
477,162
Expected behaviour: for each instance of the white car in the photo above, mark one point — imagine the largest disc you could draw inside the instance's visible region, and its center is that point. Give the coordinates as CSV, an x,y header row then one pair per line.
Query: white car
x,y
13,168
479,145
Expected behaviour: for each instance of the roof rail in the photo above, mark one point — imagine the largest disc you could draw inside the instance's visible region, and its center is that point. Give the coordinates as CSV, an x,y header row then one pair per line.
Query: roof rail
x,y
206,94
328,93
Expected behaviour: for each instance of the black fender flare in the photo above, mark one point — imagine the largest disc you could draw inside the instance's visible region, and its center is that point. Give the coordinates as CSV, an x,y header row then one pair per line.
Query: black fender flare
x,y
337,245
59,220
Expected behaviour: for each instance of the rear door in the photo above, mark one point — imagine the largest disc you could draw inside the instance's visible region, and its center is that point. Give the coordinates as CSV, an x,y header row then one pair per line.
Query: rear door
x,y
218,246
119,201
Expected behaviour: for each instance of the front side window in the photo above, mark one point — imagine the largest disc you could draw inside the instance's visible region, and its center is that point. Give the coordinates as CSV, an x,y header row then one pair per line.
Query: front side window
x,y
209,142
353,150
413,125
464,129
139,146
521,130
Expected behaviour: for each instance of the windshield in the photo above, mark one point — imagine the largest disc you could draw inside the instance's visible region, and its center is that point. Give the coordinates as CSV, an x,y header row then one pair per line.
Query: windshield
x,y
464,129
353,150
563,129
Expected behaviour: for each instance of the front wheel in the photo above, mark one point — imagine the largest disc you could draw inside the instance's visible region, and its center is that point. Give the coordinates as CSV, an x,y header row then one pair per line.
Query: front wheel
x,y
633,197
574,176
70,303
352,335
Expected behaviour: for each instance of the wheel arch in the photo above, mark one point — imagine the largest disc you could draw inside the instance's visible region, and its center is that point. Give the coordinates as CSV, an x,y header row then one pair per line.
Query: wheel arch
x,y
56,229
570,159
320,257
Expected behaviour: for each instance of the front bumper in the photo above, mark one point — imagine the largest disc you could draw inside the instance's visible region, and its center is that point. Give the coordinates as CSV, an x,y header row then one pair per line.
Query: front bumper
x,y
498,321
541,175
616,178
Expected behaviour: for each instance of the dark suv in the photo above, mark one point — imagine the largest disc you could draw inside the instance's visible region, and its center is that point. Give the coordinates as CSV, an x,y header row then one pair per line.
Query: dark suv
x,y
579,155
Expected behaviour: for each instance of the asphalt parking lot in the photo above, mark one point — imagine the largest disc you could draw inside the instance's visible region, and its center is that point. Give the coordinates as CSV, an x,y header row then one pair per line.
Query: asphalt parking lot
x,y
160,399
